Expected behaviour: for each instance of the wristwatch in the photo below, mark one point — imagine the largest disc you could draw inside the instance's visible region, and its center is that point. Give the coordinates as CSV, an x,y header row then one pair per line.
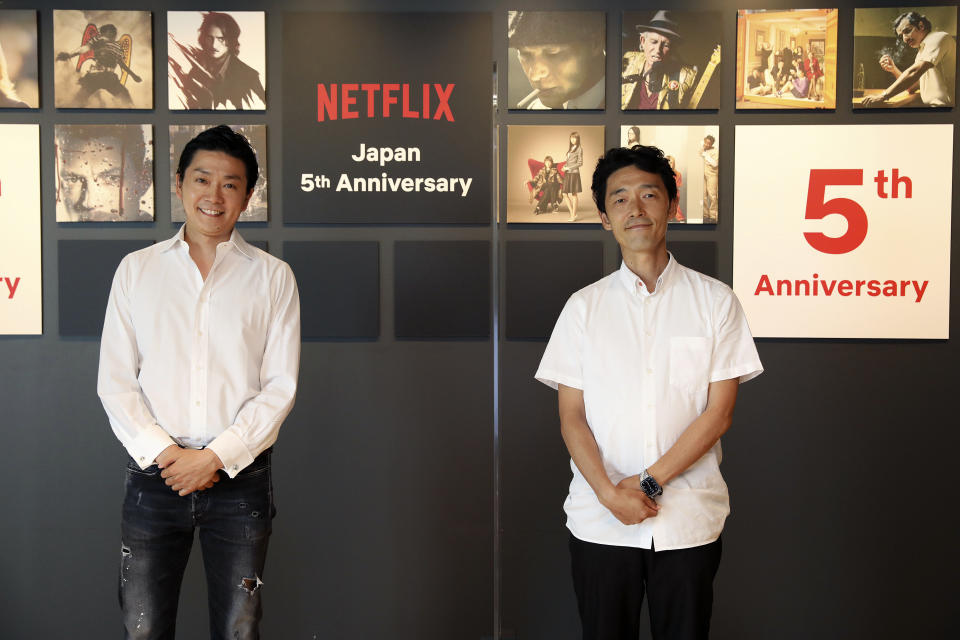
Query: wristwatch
x,y
649,485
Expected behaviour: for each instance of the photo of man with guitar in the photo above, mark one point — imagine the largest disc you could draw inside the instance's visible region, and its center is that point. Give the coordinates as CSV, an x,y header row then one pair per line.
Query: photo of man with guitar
x,y
675,62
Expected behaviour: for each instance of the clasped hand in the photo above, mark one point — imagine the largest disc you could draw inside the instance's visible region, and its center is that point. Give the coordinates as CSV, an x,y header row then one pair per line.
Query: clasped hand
x,y
629,504
189,470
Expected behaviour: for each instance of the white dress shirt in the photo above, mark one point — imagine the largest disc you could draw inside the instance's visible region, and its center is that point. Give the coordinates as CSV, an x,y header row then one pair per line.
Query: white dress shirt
x,y
937,83
644,362
201,363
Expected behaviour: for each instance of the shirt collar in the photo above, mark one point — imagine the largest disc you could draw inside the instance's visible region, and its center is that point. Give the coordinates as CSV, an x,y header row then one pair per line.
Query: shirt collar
x,y
236,241
635,286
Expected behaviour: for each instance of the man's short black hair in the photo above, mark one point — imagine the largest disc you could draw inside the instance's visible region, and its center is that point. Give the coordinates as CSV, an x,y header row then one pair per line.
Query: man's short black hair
x,y
914,18
710,138
222,138
108,28
645,158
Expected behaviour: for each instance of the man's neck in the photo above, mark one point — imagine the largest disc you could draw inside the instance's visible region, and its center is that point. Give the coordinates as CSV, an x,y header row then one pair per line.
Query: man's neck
x,y
648,265
203,250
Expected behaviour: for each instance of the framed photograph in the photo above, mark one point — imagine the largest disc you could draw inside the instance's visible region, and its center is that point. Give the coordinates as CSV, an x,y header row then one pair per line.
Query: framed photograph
x,y
799,71
104,172
905,57
19,88
103,60
549,172
761,38
216,60
557,59
671,60
694,154
181,134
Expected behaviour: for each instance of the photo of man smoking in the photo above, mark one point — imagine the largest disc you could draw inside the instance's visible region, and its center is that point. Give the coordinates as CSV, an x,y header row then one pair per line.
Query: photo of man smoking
x,y
905,57
557,59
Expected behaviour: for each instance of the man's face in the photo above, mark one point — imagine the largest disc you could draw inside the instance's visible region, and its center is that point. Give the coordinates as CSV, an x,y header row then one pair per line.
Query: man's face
x,y
213,190
559,71
911,34
91,175
637,210
655,46
707,144
214,43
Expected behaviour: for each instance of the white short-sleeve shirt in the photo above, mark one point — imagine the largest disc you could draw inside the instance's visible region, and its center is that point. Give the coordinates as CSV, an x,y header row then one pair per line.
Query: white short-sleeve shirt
x,y
937,83
644,362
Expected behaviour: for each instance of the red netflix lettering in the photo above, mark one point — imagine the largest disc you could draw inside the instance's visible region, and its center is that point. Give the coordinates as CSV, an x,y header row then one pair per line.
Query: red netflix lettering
x,y
341,101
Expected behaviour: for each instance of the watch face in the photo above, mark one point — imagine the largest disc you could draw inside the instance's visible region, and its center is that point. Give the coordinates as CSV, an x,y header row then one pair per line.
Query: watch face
x,y
650,487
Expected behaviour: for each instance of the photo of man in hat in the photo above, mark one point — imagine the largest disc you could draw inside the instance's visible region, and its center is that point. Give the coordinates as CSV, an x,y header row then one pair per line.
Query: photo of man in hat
x,y
557,59
664,72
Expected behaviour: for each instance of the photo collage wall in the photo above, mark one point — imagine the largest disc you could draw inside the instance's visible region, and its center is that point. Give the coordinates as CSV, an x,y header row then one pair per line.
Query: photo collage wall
x,y
785,60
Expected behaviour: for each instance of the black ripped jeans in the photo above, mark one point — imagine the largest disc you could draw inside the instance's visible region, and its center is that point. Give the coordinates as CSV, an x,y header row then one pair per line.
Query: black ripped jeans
x,y
157,529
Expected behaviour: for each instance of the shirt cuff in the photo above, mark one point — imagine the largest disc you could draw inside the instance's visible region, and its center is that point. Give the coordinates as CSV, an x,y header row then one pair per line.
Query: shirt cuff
x,y
232,451
553,379
744,372
148,445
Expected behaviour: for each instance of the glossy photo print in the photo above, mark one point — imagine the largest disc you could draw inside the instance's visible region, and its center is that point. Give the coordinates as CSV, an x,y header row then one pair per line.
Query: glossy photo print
x,y
556,59
904,57
102,60
104,172
694,154
181,134
216,60
787,59
670,60
549,172
19,88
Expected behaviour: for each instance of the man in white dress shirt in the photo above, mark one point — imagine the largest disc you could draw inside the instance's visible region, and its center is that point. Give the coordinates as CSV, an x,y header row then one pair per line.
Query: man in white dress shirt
x,y
198,369
647,362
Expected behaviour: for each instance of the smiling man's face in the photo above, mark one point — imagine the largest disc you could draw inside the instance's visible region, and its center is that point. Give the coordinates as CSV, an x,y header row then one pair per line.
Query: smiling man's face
x,y
214,193
637,210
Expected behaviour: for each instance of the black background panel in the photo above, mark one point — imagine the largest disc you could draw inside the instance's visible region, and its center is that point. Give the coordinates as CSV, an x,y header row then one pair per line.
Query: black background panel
x,y
339,286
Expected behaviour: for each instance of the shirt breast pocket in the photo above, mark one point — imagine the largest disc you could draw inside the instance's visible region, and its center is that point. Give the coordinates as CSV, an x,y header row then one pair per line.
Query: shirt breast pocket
x,y
689,363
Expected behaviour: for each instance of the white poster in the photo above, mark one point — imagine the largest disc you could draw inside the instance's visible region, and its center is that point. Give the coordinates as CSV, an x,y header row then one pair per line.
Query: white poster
x,y
844,231
21,291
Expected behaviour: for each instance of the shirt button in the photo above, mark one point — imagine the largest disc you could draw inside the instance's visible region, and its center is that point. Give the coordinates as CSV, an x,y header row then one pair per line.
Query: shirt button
x,y
199,333
142,459
233,468
197,403
649,370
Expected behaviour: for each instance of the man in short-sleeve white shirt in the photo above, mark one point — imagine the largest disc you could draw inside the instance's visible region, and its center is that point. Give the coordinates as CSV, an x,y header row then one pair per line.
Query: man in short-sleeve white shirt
x,y
933,71
647,362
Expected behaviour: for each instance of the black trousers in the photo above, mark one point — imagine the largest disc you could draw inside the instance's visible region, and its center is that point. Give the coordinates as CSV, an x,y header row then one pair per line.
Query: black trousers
x,y
611,582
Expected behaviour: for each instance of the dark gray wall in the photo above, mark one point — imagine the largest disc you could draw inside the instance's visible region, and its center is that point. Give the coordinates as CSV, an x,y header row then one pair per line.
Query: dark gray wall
x,y
420,483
